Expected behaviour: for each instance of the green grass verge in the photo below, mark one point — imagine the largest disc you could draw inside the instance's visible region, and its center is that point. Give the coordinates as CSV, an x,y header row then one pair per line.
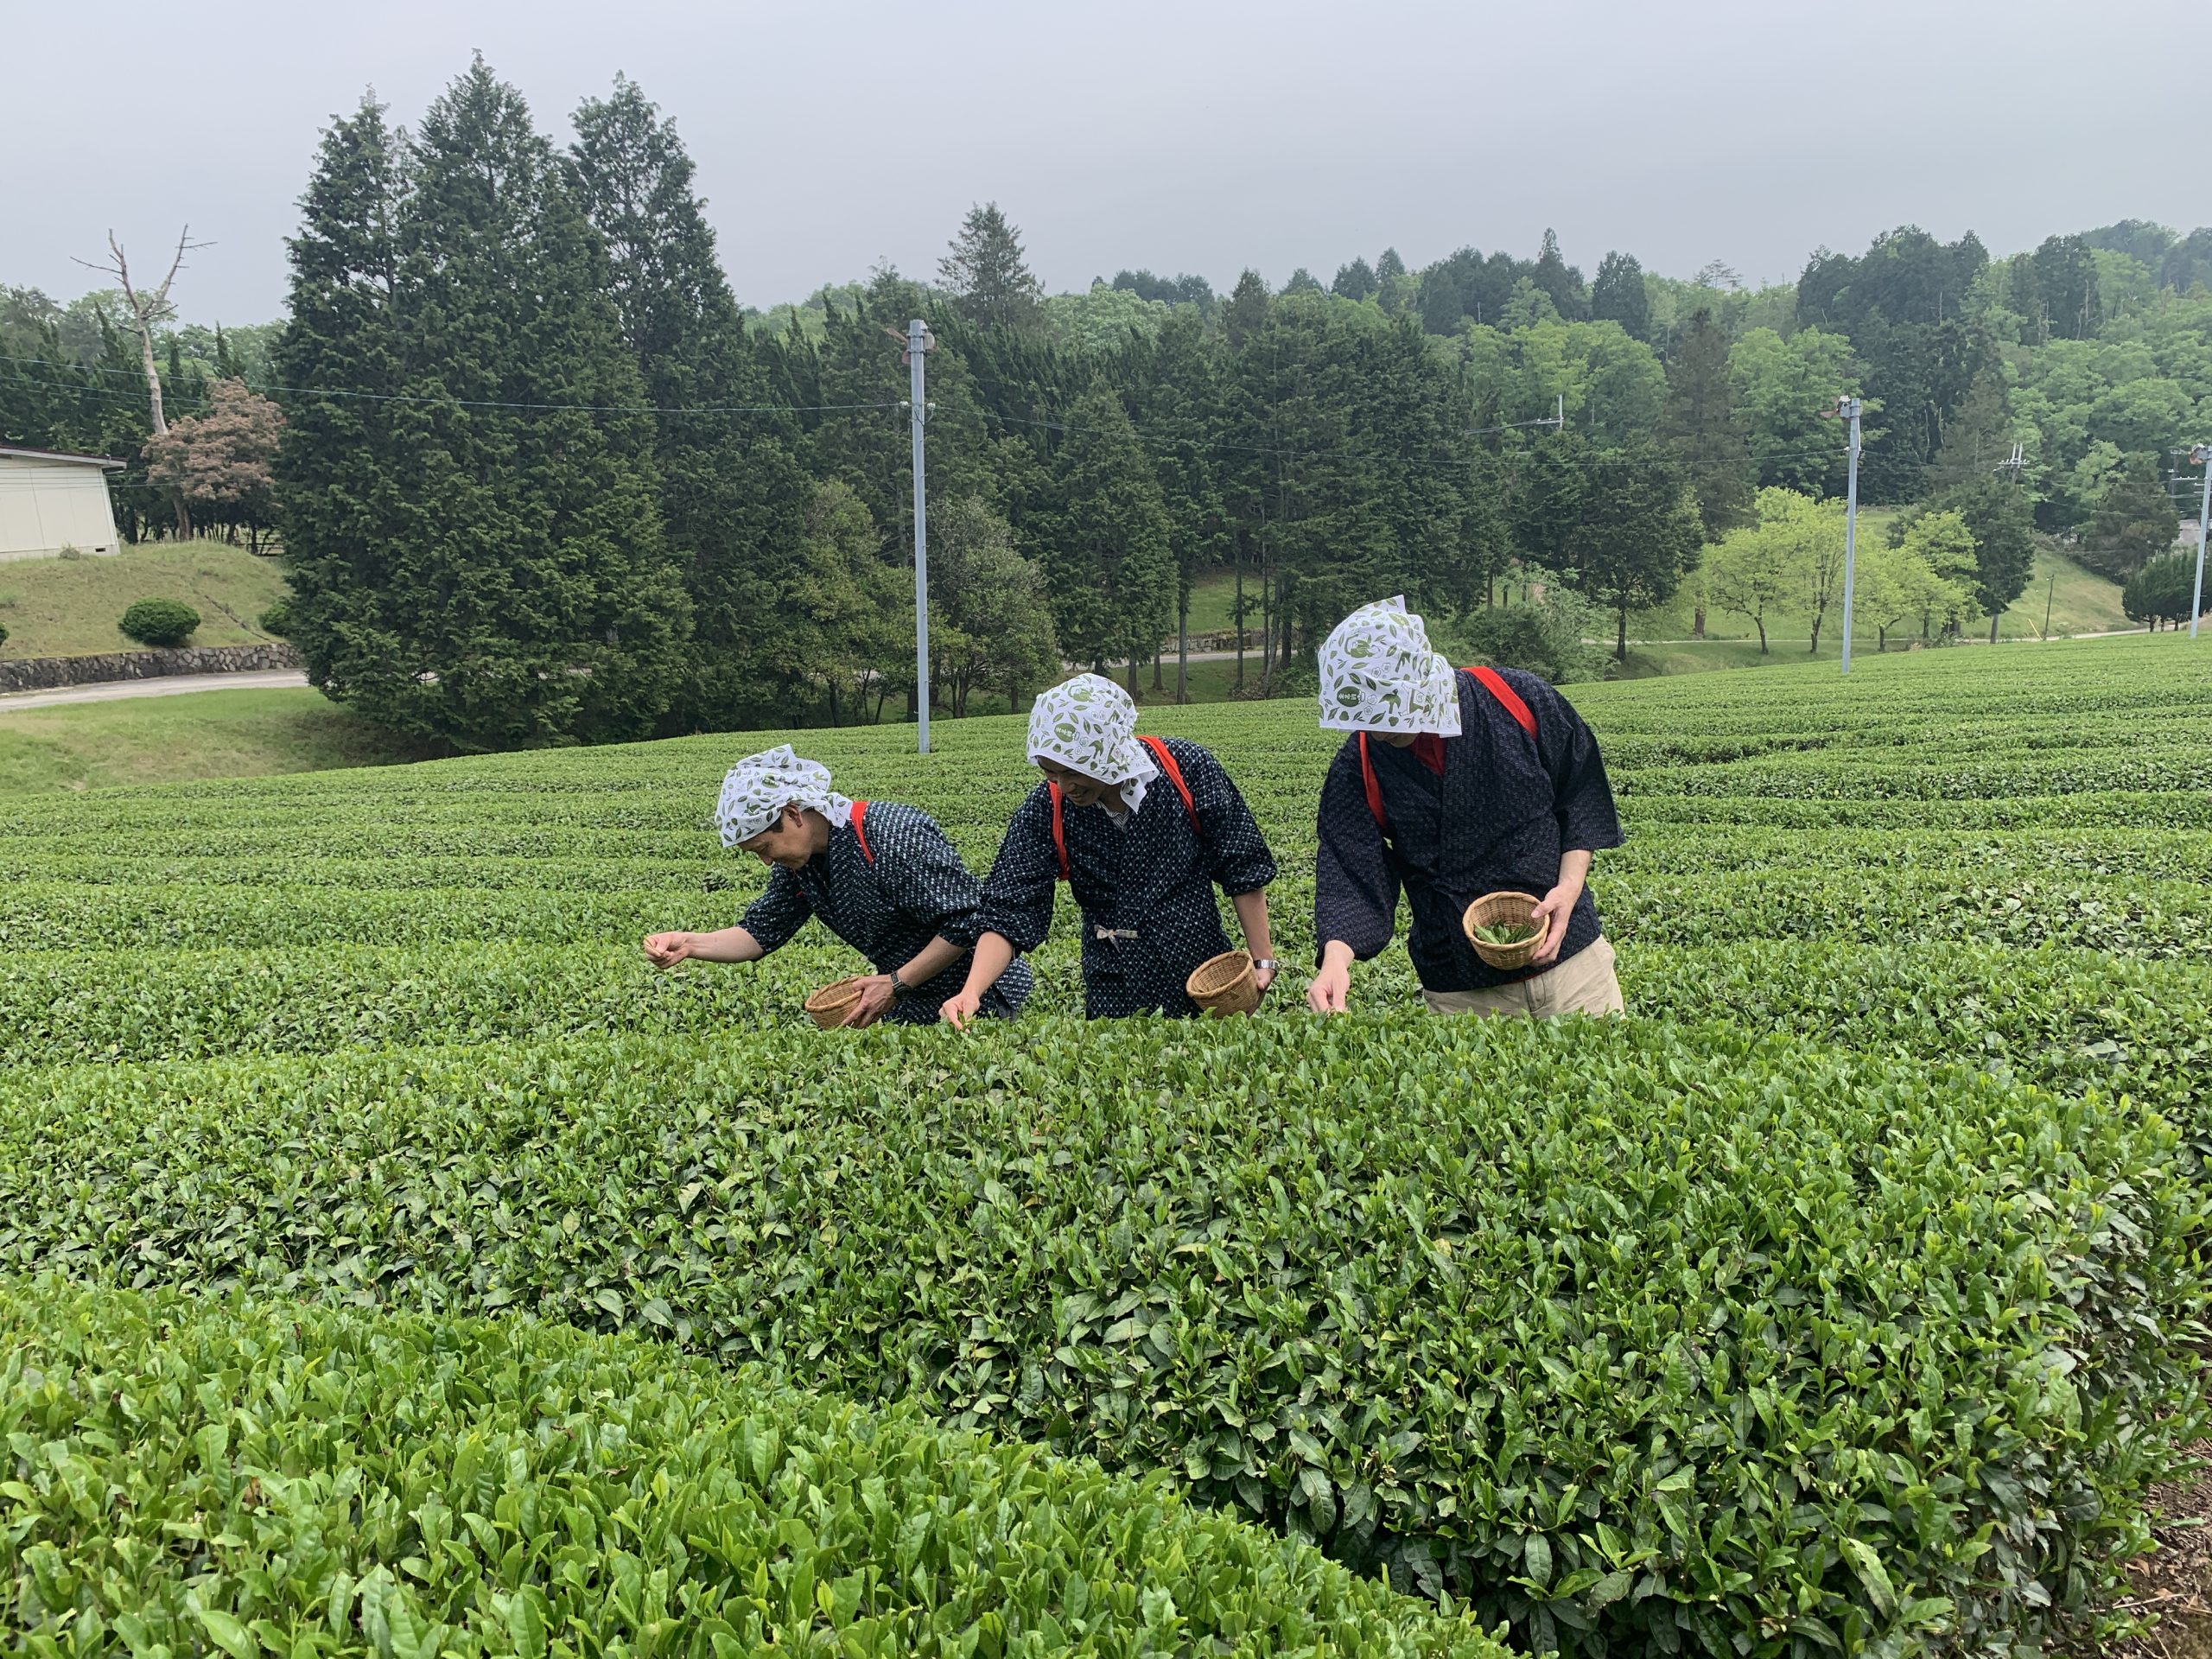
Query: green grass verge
x,y
2079,601
69,608
1659,1335
217,1476
197,734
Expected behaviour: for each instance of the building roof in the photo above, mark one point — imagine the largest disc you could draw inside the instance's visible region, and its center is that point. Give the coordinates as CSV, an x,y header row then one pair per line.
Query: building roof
x,y
18,451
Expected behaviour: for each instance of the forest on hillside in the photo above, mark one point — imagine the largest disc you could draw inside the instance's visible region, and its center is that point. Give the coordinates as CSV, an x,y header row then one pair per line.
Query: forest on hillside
x,y
540,477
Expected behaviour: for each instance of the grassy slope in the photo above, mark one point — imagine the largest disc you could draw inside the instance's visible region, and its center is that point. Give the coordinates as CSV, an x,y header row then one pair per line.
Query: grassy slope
x,y
2080,602
69,608
204,734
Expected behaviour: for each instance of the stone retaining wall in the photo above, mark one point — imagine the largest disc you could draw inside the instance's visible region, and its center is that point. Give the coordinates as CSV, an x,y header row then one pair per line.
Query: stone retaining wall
x,y
43,673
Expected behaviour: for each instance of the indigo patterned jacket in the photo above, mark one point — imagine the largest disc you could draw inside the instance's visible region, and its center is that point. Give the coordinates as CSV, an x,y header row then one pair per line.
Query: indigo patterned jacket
x,y
916,888
1499,816
1149,884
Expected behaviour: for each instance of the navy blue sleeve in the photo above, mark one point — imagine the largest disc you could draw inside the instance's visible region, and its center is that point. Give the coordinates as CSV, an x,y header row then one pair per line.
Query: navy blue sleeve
x,y
779,912
1018,895
920,873
1582,797
1354,883
1237,853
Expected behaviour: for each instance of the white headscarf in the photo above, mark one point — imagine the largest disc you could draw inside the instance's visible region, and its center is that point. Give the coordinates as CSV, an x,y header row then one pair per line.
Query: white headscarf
x,y
1090,725
761,786
1378,675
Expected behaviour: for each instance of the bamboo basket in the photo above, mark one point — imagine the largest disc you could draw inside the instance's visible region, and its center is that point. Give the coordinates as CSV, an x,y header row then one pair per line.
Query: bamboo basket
x,y
1225,984
834,1003
1491,910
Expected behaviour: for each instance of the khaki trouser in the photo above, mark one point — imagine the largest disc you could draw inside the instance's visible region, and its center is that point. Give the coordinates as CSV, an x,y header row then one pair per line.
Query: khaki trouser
x,y
1583,984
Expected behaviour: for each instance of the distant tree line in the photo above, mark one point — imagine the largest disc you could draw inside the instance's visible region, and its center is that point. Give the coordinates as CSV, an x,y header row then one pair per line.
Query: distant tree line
x,y
540,477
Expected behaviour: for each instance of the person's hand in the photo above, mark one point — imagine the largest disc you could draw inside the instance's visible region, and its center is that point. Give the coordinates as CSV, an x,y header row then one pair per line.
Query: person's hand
x,y
1330,987
1263,978
666,949
961,1008
875,1002
1551,915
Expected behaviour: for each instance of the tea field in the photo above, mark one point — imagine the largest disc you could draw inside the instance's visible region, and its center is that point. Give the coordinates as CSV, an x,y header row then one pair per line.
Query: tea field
x,y
394,1264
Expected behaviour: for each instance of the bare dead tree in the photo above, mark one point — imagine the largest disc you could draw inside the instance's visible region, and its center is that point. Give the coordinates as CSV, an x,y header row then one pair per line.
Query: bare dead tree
x,y
148,308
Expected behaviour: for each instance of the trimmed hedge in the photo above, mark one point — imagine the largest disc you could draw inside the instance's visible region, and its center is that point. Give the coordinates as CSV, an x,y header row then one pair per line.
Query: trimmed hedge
x,y
223,1477
1625,1334
163,623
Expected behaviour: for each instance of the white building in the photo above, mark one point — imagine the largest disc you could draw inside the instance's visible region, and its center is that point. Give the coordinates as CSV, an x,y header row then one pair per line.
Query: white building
x,y
49,501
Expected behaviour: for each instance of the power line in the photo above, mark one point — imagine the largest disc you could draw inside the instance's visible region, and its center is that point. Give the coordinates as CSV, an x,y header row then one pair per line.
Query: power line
x,y
1596,458
473,402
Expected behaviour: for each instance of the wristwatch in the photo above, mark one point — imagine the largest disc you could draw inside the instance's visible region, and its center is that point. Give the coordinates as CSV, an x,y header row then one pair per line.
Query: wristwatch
x,y
899,986
1264,964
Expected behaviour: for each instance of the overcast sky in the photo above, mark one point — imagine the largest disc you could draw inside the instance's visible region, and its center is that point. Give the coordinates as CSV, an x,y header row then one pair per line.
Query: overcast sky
x,y
1187,135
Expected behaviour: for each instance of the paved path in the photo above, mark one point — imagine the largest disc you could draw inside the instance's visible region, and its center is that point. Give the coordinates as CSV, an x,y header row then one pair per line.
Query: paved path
x,y
169,685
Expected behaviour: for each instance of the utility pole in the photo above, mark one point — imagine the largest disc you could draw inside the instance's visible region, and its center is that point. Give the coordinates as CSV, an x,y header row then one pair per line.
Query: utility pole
x,y
919,344
1847,408
2013,464
2202,454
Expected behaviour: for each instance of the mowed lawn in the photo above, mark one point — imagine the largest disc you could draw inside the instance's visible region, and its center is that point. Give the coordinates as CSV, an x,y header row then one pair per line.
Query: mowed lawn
x,y
69,608
201,734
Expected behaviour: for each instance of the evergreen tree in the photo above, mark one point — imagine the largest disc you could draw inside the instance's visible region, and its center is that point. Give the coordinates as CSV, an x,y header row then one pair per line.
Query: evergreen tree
x,y
1635,535
1702,430
990,283
851,632
869,444
2164,590
2004,546
1618,295
990,625
517,591
2066,284
1977,437
342,469
732,496
1355,281
1560,281
1393,285
1175,397
2136,522
1246,310
1110,569
1303,280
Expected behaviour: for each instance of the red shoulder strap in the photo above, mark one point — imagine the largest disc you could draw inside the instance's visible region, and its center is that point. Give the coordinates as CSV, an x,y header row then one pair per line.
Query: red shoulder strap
x,y
1059,831
1374,787
1175,776
1159,748
860,829
1495,684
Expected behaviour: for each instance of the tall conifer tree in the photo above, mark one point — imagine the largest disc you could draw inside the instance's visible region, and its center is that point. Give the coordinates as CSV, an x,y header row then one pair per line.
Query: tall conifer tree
x,y
734,499
1110,568
1702,430
511,586
340,474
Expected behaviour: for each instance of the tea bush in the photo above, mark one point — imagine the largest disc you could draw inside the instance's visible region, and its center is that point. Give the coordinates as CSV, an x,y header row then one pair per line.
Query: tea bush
x,y
1845,1293
1654,1334
210,1476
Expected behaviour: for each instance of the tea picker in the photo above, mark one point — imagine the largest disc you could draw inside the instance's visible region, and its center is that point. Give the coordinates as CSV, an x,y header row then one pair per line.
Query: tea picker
x,y
882,877
1142,829
1478,793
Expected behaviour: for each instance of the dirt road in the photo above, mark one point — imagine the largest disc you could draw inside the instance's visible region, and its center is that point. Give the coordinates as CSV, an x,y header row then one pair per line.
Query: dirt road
x,y
166,686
